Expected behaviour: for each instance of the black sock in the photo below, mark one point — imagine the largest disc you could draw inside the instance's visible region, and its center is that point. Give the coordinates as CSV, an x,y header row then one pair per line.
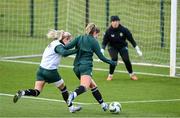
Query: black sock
x,y
32,92
80,90
65,93
97,95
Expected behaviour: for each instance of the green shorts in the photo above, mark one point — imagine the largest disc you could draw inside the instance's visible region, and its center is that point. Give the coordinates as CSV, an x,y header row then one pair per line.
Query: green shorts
x,y
49,76
83,70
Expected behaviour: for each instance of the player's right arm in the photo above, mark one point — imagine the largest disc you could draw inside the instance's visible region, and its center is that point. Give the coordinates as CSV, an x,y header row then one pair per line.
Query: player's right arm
x,y
105,40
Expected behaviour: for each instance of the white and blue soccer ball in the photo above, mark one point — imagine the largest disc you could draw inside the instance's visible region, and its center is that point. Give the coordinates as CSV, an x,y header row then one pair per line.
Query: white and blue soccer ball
x,y
115,107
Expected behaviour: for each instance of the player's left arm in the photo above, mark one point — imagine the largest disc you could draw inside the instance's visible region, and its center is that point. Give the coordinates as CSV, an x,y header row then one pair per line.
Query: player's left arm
x,y
64,52
72,44
130,38
96,49
133,42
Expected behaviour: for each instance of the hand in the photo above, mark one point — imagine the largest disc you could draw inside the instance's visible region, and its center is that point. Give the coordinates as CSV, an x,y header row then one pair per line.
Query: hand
x,y
138,51
102,51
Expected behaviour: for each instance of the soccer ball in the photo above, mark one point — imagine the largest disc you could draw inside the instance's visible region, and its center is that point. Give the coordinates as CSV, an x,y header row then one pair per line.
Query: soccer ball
x,y
115,107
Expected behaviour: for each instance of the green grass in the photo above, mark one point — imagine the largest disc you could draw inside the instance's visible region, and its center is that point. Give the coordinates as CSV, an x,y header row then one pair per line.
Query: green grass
x,y
15,76
121,66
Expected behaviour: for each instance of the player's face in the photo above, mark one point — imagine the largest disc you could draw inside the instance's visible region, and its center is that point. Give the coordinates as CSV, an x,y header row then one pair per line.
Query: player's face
x,y
95,35
67,40
115,24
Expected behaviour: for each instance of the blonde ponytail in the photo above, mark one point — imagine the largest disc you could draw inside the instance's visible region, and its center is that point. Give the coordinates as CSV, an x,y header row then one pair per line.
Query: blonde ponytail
x,y
58,34
54,34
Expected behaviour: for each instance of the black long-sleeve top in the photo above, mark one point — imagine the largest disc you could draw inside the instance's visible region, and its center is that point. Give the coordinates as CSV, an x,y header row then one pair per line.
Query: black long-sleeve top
x,y
116,37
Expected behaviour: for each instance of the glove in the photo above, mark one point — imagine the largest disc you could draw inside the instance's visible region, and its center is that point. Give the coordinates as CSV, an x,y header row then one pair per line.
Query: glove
x,y
138,51
102,51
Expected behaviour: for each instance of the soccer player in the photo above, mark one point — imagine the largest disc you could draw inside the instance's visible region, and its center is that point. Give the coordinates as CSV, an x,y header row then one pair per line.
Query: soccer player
x,y
47,71
115,37
87,45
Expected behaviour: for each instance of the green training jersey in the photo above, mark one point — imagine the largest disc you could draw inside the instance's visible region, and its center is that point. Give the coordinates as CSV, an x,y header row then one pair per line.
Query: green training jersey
x,y
86,46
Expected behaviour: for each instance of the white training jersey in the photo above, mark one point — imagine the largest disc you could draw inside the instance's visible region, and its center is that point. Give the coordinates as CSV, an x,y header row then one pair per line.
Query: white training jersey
x,y
51,59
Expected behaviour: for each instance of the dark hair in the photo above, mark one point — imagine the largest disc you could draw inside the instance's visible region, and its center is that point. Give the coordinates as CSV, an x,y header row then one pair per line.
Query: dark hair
x,y
115,18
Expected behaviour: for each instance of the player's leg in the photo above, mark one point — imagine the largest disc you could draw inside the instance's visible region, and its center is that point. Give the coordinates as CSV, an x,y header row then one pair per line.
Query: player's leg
x,y
62,87
39,84
97,95
125,57
30,92
85,81
85,73
114,56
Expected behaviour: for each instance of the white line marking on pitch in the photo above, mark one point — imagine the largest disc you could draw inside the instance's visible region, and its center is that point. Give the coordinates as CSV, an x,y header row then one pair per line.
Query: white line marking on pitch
x,y
81,103
98,69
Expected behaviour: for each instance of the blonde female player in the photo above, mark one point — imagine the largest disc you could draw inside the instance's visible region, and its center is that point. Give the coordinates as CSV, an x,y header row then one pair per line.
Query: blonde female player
x,y
47,71
87,45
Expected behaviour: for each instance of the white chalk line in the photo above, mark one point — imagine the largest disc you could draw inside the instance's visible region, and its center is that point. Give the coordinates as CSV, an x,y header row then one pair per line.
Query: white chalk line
x,y
83,103
98,69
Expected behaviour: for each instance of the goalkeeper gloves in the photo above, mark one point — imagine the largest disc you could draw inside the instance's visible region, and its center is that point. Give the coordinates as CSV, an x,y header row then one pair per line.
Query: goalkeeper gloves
x,y
102,51
138,51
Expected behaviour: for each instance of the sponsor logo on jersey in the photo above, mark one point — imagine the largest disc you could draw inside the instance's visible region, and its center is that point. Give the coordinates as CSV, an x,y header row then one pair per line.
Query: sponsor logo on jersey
x,y
112,35
121,34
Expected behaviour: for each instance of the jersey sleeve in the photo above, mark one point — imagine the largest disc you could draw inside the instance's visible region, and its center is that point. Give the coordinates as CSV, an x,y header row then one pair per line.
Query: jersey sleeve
x,y
105,40
96,49
64,52
130,38
72,44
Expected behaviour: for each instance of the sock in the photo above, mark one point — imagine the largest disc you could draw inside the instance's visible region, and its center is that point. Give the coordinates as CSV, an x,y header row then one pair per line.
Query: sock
x,y
130,74
65,93
97,95
110,75
103,104
31,92
80,90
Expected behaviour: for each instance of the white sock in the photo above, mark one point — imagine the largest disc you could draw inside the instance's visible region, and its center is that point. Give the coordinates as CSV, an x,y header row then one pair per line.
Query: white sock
x,y
103,104
110,75
130,74
75,94
23,93
71,107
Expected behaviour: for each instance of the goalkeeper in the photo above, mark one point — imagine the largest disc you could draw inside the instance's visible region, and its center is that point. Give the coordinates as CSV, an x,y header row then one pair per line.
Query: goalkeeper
x,y
115,37
47,71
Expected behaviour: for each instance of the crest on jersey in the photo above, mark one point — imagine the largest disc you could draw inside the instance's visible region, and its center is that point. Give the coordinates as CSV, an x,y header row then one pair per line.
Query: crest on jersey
x,y
121,34
112,35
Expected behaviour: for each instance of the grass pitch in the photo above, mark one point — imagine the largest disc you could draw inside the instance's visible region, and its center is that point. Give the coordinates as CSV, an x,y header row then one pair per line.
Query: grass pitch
x,y
150,96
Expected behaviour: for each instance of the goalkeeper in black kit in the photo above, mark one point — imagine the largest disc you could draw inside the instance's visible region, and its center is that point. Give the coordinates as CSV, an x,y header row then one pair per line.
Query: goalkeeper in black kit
x,y
115,37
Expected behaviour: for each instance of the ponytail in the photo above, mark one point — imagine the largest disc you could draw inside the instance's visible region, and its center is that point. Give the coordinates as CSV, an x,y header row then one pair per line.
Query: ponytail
x,y
91,28
58,34
54,34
